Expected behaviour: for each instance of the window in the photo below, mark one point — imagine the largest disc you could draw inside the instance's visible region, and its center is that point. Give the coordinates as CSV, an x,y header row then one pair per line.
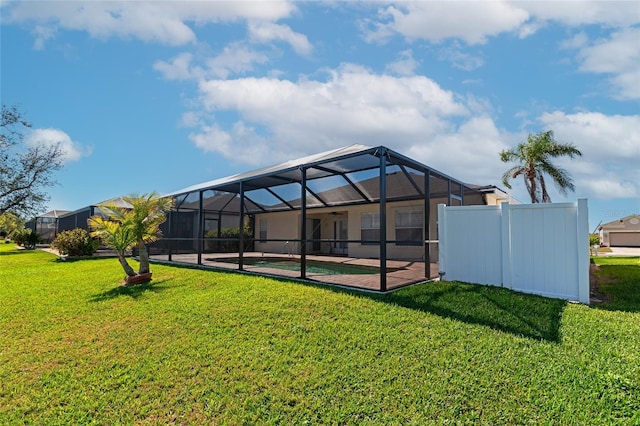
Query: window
x,y
263,230
370,228
409,224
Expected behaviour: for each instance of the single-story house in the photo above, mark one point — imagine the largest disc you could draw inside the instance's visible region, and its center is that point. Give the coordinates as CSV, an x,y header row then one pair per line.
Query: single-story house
x,y
78,218
623,232
46,225
356,204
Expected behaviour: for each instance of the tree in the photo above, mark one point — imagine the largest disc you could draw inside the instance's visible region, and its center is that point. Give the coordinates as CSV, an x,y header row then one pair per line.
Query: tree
x,y
125,228
9,223
533,160
116,236
24,171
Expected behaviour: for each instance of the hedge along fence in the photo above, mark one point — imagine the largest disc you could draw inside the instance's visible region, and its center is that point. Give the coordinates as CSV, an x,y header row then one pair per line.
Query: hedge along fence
x,y
533,248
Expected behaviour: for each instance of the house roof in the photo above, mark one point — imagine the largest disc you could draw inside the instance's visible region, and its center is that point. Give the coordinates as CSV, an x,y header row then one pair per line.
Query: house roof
x,y
619,222
118,201
341,176
54,213
264,176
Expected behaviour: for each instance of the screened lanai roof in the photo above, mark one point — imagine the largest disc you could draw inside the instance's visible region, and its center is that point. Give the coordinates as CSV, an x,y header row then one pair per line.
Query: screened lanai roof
x,y
342,176
273,175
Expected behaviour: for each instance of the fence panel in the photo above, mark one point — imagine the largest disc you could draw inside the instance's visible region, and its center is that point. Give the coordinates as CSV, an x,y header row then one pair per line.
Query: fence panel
x,y
473,247
533,248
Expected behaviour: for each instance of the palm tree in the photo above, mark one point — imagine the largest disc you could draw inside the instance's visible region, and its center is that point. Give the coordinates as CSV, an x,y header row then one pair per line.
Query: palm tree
x,y
533,160
148,212
135,226
116,236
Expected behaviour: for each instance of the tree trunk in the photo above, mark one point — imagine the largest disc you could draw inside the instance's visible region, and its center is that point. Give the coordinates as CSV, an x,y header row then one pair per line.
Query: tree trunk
x,y
125,265
530,180
545,195
143,254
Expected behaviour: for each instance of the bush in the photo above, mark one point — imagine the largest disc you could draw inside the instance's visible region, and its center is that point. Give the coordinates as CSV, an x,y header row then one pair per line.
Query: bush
x,y
26,238
230,238
594,239
76,242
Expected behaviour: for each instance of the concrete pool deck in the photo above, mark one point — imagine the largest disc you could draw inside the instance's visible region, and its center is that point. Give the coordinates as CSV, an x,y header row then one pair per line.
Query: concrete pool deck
x,y
408,272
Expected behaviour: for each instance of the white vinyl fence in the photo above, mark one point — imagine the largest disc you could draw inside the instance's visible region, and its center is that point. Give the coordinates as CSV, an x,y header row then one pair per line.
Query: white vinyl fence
x,y
533,248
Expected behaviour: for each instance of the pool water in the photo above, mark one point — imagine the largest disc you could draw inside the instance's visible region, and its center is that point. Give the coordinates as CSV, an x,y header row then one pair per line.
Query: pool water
x,y
313,266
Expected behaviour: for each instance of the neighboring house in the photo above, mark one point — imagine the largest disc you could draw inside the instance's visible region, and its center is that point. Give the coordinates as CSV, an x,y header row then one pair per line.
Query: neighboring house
x,y
46,225
494,195
187,220
78,218
624,232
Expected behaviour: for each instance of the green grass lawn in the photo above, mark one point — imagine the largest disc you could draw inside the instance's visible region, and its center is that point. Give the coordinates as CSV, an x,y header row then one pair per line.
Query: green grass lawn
x,y
202,347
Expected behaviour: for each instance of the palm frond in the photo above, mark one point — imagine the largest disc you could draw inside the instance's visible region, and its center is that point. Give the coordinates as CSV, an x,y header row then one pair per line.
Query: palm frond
x,y
561,178
512,173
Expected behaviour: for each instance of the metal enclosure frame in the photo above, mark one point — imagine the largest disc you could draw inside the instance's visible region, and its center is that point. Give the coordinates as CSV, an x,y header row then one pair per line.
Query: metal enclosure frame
x,y
349,176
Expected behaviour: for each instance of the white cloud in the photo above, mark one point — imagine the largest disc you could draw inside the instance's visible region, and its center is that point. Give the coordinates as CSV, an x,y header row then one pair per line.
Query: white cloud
x,y
439,20
72,151
241,144
606,137
618,56
265,32
153,21
468,152
610,145
179,68
282,119
576,13
42,34
190,119
353,103
576,42
405,64
236,58
609,186
460,59
474,22
212,139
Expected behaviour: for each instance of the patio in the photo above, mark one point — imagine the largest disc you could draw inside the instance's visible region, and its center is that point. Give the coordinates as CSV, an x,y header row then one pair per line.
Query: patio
x,y
400,272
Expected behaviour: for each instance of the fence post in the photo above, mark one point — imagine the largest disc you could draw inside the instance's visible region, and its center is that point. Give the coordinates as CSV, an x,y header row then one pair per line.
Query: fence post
x,y
505,236
442,240
582,241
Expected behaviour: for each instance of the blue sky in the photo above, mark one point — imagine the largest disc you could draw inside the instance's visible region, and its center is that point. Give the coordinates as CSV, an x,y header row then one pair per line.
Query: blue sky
x,y
162,95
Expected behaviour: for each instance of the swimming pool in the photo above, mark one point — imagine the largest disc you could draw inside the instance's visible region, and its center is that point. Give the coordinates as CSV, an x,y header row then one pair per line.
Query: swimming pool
x,y
313,266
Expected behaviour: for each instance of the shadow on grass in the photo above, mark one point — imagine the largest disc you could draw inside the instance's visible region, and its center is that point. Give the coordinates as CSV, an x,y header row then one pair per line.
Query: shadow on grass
x,y
501,309
525,315
78,259
17,251
132,291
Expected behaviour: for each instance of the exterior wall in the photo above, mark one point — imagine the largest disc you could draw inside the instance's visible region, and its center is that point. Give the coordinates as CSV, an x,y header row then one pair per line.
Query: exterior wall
x,y
493,199
77,219
285,226
630,226
393,251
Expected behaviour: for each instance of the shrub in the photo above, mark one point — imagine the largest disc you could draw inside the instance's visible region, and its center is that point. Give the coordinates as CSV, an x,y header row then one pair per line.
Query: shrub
x,y
76,242
594,239
26,238
230,238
